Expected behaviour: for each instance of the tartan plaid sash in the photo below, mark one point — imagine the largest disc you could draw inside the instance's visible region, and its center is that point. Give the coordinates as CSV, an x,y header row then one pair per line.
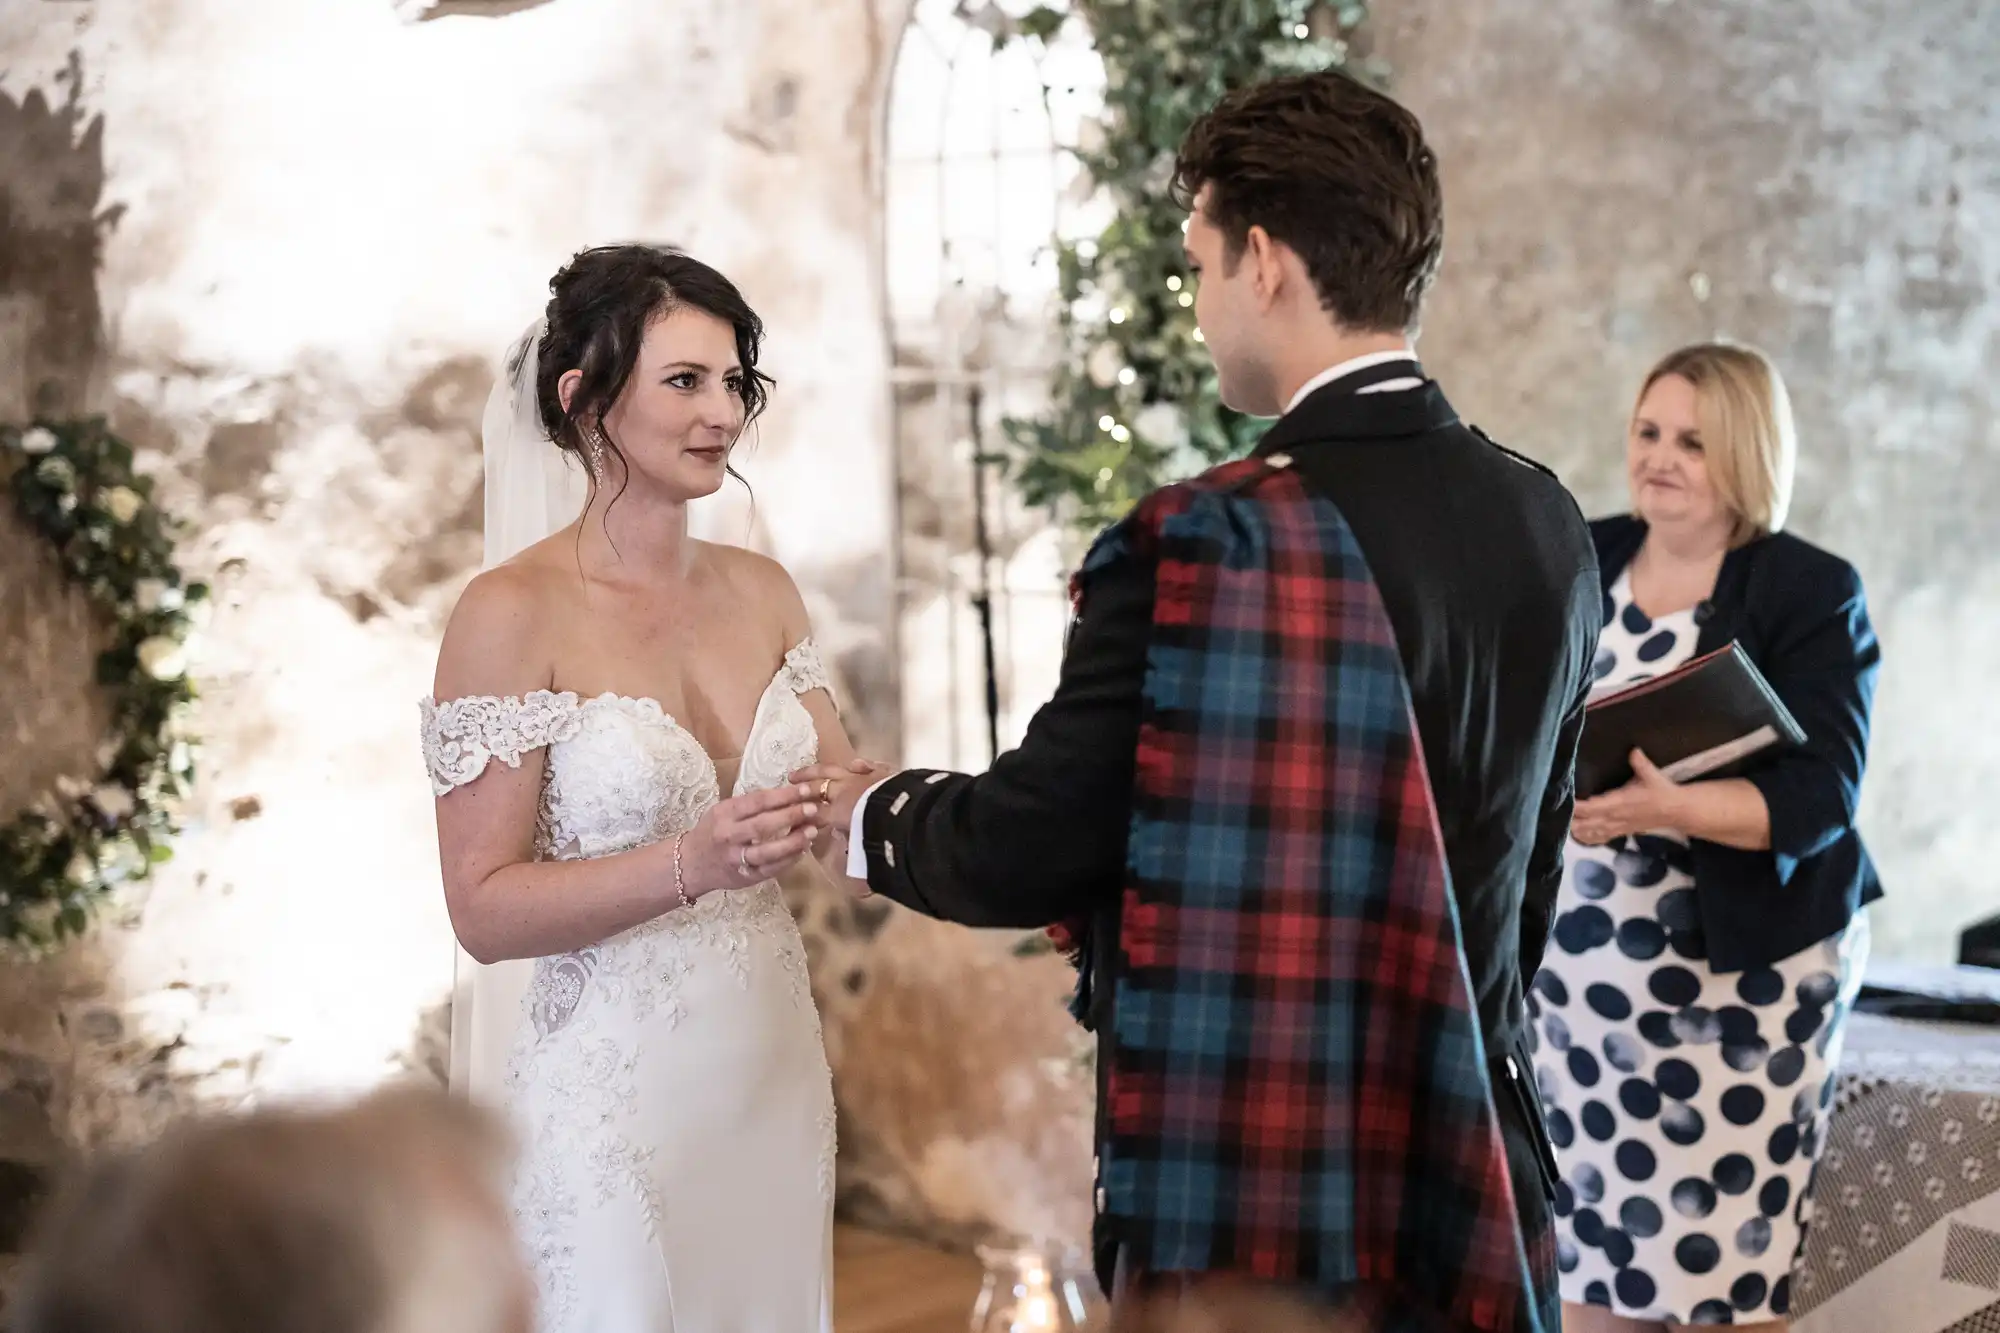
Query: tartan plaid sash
x,y
1296,1088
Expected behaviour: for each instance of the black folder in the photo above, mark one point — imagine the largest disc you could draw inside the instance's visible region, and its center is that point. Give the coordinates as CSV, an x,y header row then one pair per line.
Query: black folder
x,y
1705,719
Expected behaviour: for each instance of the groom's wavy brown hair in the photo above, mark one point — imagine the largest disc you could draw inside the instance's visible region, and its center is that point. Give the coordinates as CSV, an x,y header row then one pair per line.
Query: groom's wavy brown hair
x,y
1338,173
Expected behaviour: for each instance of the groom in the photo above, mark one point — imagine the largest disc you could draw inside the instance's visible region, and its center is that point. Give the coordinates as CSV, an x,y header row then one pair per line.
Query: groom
x,y
1311,703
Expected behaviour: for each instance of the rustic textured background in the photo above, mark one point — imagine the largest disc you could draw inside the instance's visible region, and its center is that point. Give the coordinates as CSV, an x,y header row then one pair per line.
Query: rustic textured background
x,y
290,291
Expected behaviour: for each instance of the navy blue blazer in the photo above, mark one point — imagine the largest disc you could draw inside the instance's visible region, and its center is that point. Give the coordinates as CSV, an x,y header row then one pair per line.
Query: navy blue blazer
x,y
1799,613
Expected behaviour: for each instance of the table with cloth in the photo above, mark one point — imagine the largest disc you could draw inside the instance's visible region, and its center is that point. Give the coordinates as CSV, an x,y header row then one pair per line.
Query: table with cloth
x,y
1905,1231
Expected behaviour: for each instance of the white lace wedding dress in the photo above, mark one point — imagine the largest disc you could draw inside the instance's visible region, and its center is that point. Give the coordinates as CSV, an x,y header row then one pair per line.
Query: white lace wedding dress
x,y
670,1084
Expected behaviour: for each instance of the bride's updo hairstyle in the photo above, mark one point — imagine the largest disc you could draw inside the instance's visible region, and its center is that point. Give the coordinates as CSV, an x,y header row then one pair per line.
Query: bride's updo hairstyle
x,y
600,306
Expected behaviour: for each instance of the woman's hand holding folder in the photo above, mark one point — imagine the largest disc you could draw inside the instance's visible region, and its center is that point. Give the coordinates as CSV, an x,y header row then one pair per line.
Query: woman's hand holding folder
x,y
1730,811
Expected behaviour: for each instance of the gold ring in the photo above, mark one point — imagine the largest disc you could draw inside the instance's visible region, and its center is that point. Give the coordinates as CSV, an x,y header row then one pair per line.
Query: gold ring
x,y
743,859
825,786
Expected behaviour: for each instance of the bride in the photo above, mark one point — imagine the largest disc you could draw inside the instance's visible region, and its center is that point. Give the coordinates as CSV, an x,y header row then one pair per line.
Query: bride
x,y
602,683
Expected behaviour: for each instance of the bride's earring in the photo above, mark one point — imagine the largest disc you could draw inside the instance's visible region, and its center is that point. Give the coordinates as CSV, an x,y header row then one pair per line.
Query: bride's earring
x,y
593,441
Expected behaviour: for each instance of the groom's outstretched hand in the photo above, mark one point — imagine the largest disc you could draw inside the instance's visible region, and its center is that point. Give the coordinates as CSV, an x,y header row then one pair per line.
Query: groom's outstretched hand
x,y
837,788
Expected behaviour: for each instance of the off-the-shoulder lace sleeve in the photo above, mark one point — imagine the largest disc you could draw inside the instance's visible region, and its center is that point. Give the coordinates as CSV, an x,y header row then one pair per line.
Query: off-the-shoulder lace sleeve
x,y
803,670
461,735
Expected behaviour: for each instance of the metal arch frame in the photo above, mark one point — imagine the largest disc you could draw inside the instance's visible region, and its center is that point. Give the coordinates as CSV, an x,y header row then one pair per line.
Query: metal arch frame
x,y
963,387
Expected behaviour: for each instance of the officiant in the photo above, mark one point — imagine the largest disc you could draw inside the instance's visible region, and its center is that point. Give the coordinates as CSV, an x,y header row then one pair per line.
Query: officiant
x,y
1709,936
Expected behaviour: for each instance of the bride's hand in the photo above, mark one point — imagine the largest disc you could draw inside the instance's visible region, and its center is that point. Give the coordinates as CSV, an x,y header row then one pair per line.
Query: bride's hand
x,y
747,839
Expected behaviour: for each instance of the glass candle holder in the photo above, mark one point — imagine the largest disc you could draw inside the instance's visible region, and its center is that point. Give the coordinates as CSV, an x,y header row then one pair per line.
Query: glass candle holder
x,y
1030,1290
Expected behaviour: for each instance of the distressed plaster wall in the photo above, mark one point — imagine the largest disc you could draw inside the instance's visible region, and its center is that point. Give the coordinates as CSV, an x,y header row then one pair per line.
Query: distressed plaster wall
x,y
1822,180
283,245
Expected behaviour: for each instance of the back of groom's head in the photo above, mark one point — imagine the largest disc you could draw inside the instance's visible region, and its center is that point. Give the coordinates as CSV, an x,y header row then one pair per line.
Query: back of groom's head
x,y
1336,172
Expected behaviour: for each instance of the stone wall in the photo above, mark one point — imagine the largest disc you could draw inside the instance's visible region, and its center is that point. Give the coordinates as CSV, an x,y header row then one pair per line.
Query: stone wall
x,y
283,244
1822,180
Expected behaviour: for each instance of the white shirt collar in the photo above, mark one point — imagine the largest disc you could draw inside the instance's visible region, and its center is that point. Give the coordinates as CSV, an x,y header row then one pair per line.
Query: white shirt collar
x,y
1351,365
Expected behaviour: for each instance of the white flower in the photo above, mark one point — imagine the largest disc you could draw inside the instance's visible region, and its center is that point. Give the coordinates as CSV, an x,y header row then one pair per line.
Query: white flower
x,y
1104,364
121,502
57,472
81,869
161,658
1163,424
180,759
38,441
114,800
40,916
151,595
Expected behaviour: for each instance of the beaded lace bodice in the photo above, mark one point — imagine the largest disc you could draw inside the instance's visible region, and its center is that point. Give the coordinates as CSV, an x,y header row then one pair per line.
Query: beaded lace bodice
x,y
620,772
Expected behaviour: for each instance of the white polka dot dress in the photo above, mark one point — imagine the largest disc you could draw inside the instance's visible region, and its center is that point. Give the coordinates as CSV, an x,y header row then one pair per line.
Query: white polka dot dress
x,y
1687,1106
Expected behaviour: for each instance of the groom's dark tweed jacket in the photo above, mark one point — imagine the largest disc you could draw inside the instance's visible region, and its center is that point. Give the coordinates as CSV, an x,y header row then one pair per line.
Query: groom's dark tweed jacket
x,y
1241,1090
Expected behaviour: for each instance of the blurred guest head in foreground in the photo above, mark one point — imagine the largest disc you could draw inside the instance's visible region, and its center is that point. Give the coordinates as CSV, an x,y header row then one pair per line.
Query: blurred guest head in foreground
x,y
384,1217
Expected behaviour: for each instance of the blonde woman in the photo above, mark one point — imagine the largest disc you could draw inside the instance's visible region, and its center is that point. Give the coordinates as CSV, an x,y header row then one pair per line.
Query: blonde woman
x,y
1709,936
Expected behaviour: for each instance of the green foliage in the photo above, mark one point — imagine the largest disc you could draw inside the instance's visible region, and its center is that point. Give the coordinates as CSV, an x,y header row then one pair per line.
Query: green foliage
x,y
74,483
1134,403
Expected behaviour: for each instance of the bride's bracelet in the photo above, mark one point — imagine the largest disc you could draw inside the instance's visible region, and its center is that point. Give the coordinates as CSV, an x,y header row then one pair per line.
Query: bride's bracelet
x,y
680,881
